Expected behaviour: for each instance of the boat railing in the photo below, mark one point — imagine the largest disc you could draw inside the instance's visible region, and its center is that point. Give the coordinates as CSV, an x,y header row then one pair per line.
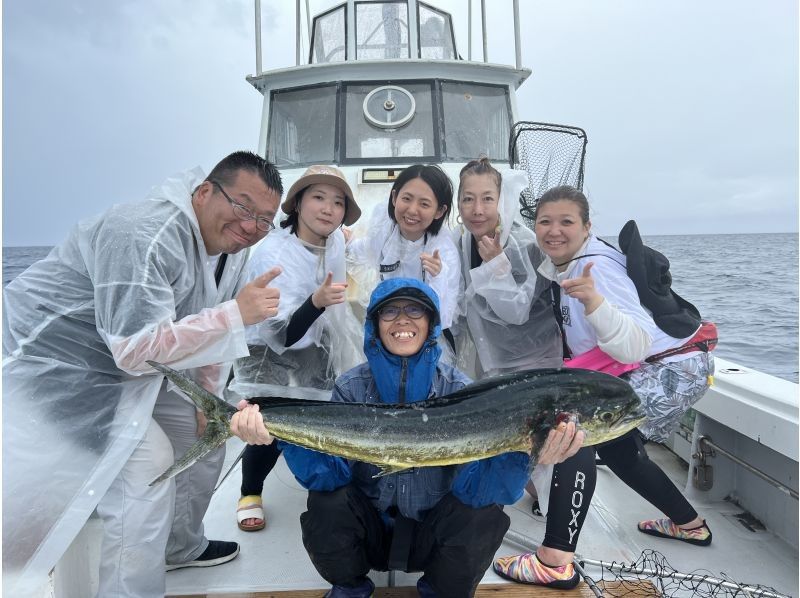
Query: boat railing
x,y
383,30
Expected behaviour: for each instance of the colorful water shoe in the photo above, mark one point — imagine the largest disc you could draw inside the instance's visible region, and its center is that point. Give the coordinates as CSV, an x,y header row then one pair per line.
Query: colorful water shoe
x,y
665,528
526,568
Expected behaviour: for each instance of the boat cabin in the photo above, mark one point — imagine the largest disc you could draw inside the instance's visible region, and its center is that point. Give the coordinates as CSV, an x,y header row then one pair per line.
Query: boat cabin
x,y
384,86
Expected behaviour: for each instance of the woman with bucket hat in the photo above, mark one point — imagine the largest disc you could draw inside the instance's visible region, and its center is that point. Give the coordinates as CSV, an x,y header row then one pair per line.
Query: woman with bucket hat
x,y
314,336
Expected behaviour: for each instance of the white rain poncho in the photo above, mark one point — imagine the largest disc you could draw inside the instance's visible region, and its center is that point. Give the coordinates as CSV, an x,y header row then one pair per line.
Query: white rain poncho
x,y
385,246
132,285
507,306
332,344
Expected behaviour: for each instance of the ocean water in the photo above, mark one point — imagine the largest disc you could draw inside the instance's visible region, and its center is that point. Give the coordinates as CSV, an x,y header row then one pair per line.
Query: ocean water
x,y
746,284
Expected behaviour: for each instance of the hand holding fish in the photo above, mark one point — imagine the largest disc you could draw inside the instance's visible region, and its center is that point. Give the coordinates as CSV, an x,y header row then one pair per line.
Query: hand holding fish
x,y
562,442
257,301
582,289
432,264
248,424
329,293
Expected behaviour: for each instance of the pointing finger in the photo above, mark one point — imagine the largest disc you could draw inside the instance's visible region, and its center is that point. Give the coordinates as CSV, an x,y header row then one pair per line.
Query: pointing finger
x,y
267,277
436,254
328,280
586,268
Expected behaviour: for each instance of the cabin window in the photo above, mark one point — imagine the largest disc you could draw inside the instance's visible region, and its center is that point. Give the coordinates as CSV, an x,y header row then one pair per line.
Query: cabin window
x,y
302,126
381,30
476,120
435,34
365,136
329,37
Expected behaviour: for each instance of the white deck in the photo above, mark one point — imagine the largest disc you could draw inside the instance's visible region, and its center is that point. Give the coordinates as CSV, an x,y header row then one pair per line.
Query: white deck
x,y
274,559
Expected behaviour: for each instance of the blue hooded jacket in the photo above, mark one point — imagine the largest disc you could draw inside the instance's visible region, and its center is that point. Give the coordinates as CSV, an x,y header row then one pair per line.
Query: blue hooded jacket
x,y
402,379
392,379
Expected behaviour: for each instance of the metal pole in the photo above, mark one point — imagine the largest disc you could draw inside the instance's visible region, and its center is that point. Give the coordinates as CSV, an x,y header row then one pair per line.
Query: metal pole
x,y
414,49
308,24
469,29
517,46
483,30
297,32
258,37
748,467
589,581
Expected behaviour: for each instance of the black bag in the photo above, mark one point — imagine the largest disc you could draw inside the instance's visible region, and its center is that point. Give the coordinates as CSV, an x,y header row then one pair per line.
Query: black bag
x,y
649,271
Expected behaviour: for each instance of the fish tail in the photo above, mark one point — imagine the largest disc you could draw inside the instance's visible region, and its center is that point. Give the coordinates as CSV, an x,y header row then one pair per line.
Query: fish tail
x,y
218,415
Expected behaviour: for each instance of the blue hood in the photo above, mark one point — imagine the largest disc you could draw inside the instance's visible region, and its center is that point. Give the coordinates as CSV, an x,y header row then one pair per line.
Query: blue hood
x,y
402,379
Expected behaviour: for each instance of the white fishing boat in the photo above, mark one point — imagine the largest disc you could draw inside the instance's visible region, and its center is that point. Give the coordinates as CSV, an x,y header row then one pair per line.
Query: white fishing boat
x,y
384,86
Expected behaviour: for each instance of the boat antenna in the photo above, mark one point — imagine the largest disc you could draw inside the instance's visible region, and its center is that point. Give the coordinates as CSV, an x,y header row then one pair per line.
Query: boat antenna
x,y
258,36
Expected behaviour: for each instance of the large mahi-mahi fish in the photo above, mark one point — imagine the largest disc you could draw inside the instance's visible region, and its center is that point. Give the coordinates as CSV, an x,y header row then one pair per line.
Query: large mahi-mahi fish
x,y
513,412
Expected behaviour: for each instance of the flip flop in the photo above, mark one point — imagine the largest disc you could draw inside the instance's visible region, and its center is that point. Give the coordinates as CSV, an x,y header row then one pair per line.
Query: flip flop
x,y
250,507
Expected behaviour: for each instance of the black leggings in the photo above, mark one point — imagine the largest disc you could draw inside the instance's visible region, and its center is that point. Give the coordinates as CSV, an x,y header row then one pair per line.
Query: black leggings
x,y
454,544
627,458
257,461
570,494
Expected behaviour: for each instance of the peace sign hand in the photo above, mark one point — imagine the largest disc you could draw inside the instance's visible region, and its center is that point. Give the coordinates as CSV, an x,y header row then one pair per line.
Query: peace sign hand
x,y
329,293
582,289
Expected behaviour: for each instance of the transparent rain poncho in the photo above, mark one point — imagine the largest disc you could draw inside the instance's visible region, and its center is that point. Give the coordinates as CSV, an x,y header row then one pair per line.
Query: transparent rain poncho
x,y
131,285
384,253
331,346
507,307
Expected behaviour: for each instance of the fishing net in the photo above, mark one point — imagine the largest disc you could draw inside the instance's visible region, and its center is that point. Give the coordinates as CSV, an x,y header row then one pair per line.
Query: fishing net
x,y
552,155
626,579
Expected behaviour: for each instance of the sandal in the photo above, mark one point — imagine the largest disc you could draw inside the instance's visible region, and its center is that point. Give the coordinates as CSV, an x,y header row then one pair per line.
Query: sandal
x,y
250,507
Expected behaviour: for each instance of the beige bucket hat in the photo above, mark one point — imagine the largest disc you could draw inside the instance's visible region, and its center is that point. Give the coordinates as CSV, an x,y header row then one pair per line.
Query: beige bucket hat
x,y
328,175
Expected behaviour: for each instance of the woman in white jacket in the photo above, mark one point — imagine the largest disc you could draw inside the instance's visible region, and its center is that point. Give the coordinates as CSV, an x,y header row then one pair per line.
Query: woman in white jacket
x,y
314,337
511,325
407,240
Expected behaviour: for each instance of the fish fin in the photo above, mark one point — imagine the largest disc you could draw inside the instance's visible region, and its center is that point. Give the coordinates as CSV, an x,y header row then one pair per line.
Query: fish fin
x,y
267,402
218,415
388,470
209,403
537,439
214,437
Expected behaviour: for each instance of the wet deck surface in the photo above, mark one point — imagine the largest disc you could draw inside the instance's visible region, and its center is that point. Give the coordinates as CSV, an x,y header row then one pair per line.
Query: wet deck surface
x,y
273,561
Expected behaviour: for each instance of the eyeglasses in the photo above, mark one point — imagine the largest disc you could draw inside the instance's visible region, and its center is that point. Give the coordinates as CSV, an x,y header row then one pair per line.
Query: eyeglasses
x,y
391,312
242,213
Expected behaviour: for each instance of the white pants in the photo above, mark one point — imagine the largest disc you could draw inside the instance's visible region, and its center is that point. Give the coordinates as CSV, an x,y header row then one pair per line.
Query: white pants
x,y
144,526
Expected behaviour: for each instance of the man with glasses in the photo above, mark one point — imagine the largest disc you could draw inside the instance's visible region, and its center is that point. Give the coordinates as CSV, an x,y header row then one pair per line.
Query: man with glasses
x,y
87,423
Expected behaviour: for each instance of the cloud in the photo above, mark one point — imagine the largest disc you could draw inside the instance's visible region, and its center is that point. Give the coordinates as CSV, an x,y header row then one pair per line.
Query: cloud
x,y
691,109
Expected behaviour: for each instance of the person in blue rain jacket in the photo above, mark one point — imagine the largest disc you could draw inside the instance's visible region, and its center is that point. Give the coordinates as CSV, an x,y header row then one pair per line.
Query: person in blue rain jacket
x,y
444,521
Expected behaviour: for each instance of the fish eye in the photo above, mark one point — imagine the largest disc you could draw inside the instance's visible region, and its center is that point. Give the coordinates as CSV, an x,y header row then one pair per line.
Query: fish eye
x,y
606,416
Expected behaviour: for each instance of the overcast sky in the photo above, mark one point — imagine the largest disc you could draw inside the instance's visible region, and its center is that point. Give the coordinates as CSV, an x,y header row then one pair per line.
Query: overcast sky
x,y
691,108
